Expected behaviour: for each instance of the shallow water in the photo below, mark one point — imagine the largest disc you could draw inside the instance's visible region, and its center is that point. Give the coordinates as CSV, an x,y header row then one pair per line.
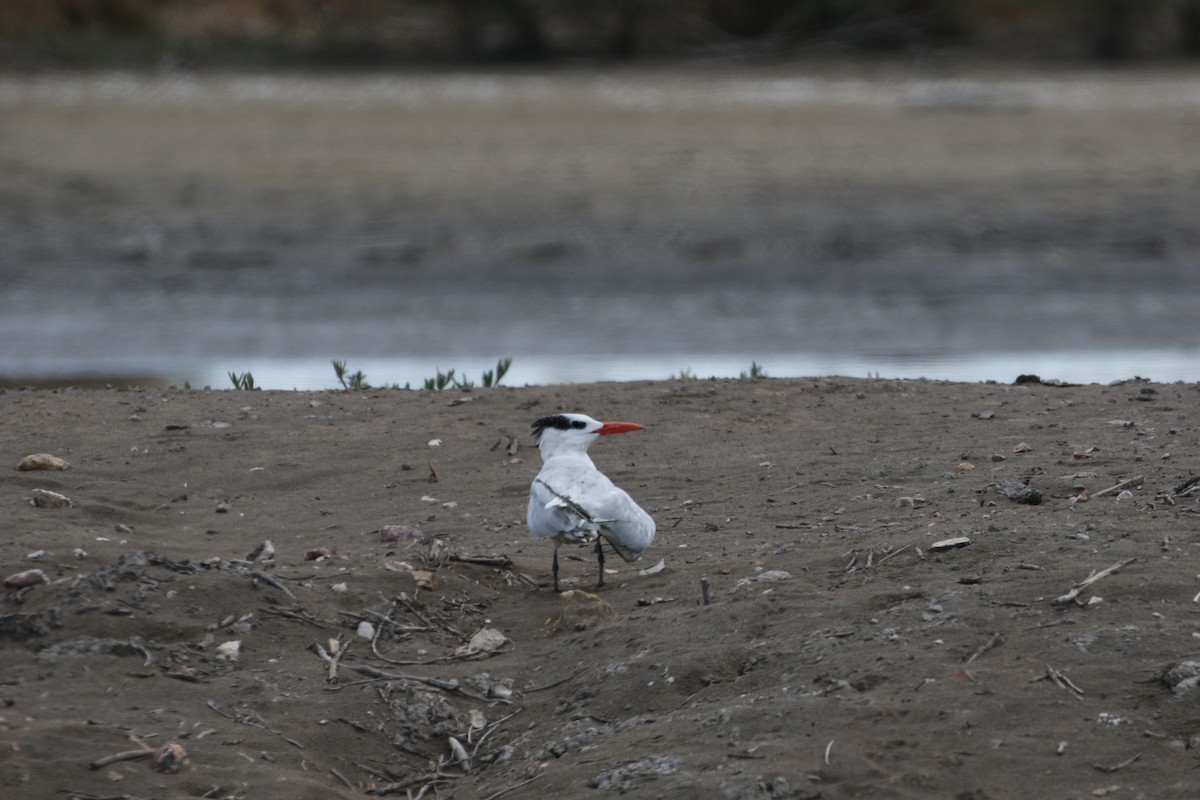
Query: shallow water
x,y
975,320
1079,367
871,225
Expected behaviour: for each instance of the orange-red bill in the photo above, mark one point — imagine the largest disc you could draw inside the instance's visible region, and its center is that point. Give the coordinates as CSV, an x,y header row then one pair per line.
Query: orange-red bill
x,y
618,427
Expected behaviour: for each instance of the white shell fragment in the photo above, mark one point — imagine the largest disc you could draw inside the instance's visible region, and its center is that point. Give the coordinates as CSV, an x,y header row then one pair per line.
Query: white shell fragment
x,y
400,533
657,568
30,577
44,498
949,544
485,640
365,630
426,579
264,552
229,651
773,575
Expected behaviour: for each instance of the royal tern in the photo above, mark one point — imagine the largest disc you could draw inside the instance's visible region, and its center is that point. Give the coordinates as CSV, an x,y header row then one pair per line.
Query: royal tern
x,y
572,501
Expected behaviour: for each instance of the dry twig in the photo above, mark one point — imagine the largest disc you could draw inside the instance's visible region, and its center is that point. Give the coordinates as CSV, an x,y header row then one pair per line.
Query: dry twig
x,y
510,787
1062,681
894,553
127,755
1117,767
450,686
1136,480
298,614
983,648
487,561
335,660
271,581
1095,576
559,682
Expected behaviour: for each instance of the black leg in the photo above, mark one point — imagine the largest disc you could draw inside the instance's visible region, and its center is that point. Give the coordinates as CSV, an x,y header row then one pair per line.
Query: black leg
x,y
555,569
600,558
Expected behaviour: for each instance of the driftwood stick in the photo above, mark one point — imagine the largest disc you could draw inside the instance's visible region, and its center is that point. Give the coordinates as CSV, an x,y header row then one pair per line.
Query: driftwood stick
x,y
1136,480
485,560
1120,766
1079,587
510,787
425,780
488,730
342,778
448,686
335,660
322,652
983,648
451,686
127,755
559,682
386,619
894,553
1062,681
271,581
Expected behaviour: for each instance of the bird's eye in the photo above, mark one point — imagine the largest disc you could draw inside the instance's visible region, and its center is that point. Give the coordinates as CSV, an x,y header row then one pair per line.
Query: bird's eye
x,y
578,424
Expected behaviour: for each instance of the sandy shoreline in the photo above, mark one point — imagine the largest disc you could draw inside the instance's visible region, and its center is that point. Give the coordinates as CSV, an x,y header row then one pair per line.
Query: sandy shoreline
x,y
878,667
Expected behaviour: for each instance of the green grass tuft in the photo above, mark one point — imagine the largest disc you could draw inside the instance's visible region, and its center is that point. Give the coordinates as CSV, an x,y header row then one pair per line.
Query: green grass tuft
x,y
243,382
756,371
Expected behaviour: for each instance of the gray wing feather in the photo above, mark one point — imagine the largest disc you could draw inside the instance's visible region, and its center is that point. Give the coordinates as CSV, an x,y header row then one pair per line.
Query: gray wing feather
x,y
582,502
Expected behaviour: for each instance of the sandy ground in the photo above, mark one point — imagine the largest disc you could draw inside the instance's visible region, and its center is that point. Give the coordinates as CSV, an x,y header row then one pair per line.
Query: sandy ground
x,y
873,666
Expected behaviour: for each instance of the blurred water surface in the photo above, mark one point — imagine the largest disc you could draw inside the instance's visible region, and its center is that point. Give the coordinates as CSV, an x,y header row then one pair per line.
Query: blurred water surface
x,y
619,225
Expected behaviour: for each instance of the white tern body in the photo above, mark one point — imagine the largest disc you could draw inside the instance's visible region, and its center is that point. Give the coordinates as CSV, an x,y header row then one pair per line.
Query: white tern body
x,y
572,501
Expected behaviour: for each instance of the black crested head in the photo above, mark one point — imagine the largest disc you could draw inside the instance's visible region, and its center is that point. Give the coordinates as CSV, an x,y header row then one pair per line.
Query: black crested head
x,y
559,421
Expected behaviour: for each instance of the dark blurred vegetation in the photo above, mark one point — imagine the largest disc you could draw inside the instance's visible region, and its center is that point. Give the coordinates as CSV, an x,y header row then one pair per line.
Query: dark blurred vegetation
x,y
208,32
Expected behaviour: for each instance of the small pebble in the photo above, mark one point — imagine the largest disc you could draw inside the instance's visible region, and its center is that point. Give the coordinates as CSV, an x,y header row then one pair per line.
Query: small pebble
x,y
169,758
773,575
42,461
229,651
30,577
949,544
44,498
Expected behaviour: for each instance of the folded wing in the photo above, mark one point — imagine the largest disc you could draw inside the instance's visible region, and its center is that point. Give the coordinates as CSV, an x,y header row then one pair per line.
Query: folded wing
x,y
579,505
